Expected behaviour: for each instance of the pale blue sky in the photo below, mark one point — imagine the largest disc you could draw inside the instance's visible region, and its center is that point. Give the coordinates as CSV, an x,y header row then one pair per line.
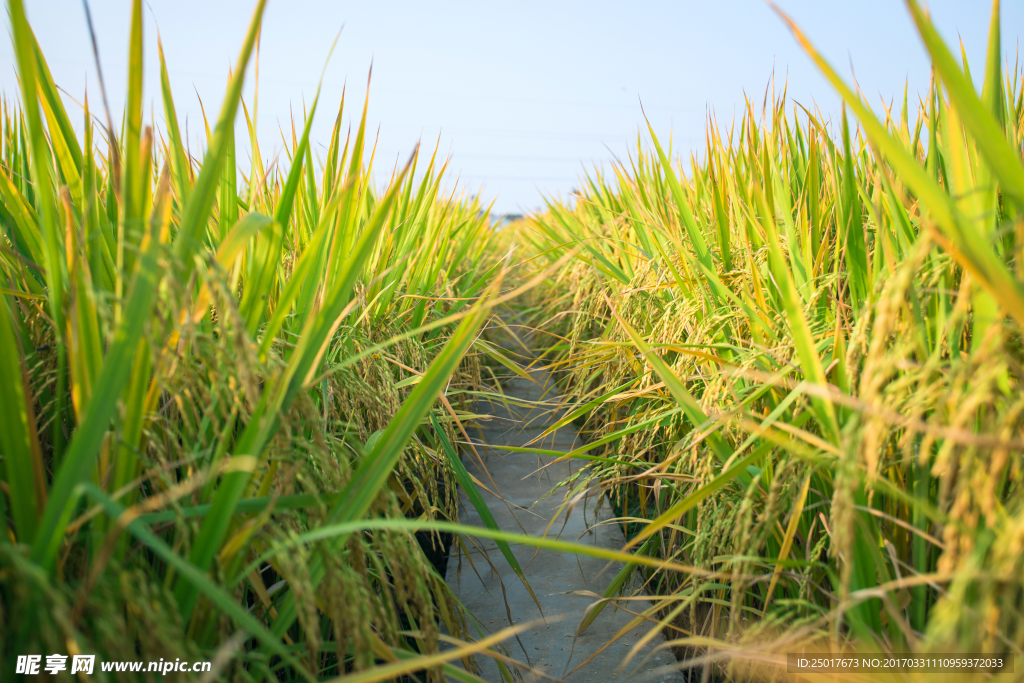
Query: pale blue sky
x,y
523,94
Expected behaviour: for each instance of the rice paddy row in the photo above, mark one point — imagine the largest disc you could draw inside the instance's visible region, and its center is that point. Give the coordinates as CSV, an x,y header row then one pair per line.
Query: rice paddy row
x,y
798,360
209,380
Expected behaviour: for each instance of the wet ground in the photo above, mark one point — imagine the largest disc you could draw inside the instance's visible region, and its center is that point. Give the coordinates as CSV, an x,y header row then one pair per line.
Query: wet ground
x,y
556,578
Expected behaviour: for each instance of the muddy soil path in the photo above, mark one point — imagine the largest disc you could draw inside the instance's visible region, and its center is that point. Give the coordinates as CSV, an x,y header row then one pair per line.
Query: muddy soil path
x,y
553,576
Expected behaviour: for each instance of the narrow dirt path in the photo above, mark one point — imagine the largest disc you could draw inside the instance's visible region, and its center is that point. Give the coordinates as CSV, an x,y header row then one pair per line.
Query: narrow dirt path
x,y
552,575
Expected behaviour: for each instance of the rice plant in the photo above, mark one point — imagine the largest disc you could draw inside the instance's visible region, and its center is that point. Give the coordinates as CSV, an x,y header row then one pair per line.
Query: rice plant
x,y
798,361
217,381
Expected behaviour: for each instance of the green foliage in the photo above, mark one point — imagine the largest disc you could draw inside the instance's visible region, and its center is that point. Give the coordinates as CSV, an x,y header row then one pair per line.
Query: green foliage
x,y
799,360
198,366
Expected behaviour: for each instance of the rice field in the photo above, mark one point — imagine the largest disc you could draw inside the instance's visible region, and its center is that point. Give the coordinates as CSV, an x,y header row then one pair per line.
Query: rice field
x,y
233,397
207,386
797,357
